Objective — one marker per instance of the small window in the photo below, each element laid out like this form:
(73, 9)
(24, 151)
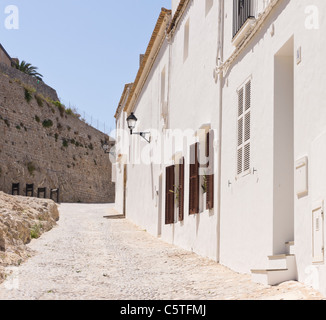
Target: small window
(163, 83)
(186, 41)
(194, 179)
(244, 129)
(209, 5)
(163, 94)
(242, 11)
(169, 195)
(210, 170)
(181, 197)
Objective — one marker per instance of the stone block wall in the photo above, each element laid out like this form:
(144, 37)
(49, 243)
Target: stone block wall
(40, 86)
(42, 144)
(4, 56)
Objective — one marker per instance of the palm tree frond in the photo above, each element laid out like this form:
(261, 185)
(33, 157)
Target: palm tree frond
(29, 69)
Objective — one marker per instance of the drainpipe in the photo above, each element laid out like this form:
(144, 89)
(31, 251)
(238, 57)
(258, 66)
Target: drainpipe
(219, 77)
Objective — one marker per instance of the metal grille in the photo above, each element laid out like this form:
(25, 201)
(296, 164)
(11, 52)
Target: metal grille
(242, 11)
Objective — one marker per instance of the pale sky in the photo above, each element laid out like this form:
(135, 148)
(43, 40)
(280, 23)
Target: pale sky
(86, 50)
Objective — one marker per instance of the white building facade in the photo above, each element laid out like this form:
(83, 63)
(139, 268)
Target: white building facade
(230, 95)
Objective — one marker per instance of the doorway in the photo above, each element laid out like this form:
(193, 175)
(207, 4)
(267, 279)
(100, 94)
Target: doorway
(283, 174)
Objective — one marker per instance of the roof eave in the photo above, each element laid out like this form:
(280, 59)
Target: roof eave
(153, 48)
(177, 16)
(123, 97)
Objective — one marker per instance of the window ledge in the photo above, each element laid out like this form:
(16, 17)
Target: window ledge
(243, 174)
(248, 25)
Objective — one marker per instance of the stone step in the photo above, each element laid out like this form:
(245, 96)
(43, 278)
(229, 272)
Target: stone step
(280, 261)
(282, 268)
(272, 277)
(289, 246)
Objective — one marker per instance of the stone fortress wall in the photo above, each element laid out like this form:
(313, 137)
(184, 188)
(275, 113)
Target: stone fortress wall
(44, 144)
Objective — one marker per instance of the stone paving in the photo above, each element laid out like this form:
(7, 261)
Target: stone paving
(89, 257)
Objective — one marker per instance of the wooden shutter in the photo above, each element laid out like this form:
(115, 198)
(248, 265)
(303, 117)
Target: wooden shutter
(181, 189)
(210, 171)
(240, 132)
(194, 180)
(169, 196)
(244, 129)
(247, 128)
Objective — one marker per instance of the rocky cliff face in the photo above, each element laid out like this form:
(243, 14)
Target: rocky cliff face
(22, 219)
(47, 145)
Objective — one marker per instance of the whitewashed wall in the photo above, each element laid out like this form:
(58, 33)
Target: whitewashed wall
(254, 220)
(248, 209)
(122, 150)
(310, 124)
(143, 173)
(194, 103)
(191, 100)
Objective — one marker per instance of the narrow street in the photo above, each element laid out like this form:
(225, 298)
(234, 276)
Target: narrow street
(91, 257)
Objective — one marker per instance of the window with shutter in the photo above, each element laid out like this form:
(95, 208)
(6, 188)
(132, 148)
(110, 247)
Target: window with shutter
(181, 189)
(169, 195)
(210, 170)
(194, 180)
(244, 129)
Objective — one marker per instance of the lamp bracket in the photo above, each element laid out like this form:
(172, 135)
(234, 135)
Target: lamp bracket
(143, 135)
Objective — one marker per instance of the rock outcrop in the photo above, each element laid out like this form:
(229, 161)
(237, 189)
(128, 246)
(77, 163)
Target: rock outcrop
(21, 220)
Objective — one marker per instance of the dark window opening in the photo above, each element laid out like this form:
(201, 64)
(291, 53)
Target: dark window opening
(242, 11)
